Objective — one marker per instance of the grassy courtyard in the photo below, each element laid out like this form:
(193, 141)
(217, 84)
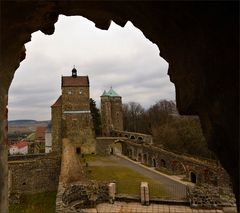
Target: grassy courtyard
(100, 168)
(35, 203)
(103, 168)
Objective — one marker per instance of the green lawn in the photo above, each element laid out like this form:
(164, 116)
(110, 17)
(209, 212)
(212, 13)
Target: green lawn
(128, 181)
(35, 203)
(92, 158)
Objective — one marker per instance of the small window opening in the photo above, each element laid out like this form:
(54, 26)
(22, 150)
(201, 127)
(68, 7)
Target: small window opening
(78, 150)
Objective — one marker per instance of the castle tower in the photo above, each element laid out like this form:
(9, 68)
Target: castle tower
(111, 112)
(74, 107)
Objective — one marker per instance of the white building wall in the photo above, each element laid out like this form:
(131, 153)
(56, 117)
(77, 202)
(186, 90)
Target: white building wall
(13, 150)
(48, 142)
(23, 150)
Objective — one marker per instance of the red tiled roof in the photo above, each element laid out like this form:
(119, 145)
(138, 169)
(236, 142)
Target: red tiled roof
(58, 102)
(20, 144)
(40, 132)
(69, 81)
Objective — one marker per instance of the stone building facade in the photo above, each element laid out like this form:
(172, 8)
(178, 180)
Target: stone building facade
(71, 116)
(111, 112)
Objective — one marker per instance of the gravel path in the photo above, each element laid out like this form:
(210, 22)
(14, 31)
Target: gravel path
(177, 189)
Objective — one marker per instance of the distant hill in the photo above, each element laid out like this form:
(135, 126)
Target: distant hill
(26, 122)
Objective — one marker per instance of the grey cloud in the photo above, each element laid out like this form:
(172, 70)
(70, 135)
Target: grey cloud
(120, 57)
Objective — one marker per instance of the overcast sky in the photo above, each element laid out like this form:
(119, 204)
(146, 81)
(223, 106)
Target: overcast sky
(119, 57)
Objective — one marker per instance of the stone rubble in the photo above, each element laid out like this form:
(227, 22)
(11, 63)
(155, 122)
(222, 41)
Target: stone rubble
(87, 193)
(208, 196)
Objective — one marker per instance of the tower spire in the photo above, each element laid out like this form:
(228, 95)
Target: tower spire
(74, 72)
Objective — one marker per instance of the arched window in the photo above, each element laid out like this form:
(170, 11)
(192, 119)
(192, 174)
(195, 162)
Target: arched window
(193, 177)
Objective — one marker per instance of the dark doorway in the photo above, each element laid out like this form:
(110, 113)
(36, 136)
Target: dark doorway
(111, 151)
(139, 157)
(154, 162)
(145, 160)
(78, 150)
(163, 163)
(193, 177)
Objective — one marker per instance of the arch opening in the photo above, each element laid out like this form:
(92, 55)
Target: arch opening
(139, 157)
(193, 177)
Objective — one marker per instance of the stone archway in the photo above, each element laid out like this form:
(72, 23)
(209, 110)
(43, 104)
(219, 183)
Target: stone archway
(202, 56)
(118, 147)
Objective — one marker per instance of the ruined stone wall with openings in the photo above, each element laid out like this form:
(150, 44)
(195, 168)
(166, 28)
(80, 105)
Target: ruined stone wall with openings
(206, 171)
(35, 175)
(103, 145)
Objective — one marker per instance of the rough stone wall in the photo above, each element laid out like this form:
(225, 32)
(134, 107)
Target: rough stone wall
(116, 113)
(75, 98)
(106, 118)
(111, 114)
(56, 116)
(71, 168)
(208, 196)
(78, 195)
(35, 175)
(90, 193)
(78, 127)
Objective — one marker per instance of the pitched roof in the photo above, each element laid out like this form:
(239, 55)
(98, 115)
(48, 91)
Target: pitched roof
(58, 102)
(69, 81)
(40, 131)
(20, 144)
(112, 93)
